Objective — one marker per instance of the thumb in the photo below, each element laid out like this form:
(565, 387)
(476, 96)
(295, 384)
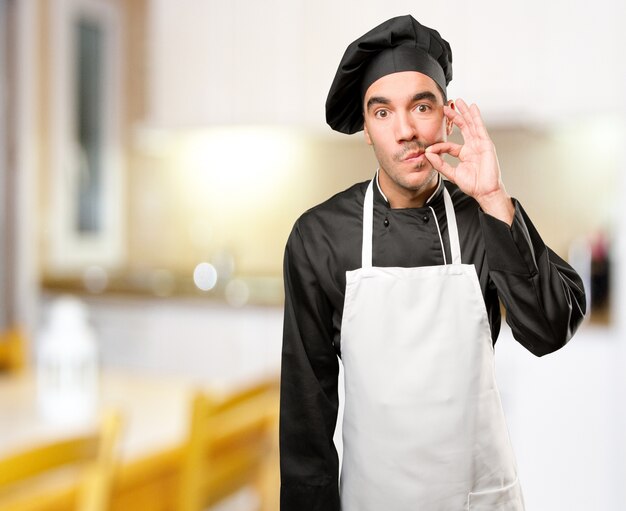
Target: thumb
(435, 160)
(440, 165)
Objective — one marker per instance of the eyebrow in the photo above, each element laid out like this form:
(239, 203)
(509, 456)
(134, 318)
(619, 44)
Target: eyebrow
(377, 100)
(380, 100)
(424, 95)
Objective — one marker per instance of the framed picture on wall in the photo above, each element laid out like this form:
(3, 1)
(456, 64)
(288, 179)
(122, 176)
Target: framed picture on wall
(85, 213)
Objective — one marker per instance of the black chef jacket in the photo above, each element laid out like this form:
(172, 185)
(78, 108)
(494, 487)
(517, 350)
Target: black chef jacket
(543, 297)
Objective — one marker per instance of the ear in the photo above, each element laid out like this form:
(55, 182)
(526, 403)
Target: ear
(449, 124)
(366, 133)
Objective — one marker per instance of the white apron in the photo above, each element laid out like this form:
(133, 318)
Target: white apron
(423, 427)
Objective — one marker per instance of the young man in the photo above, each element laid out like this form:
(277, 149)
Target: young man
(401, 278)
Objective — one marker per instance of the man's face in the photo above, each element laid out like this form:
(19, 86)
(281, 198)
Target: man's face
(403, 115)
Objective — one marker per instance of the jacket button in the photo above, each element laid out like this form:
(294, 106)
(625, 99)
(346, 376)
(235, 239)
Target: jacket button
(386, 223)
(425, 218)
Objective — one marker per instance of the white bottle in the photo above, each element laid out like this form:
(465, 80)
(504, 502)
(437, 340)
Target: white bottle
(67, 364)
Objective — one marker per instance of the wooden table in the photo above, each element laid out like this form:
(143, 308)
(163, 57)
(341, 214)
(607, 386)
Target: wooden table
(155, 413)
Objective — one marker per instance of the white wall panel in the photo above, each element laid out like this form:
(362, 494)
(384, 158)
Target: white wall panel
(272, 62)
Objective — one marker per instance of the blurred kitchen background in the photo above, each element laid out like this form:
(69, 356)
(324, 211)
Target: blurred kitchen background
(154, 155)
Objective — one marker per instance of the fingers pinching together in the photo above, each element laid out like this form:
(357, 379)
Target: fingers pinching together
(478, 171)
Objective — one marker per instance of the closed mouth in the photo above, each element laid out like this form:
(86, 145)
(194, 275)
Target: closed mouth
(413, 155)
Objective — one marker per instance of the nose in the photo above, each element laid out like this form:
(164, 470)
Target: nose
(405, 127)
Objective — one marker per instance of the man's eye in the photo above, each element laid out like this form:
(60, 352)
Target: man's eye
(423, 108)
(381, 114)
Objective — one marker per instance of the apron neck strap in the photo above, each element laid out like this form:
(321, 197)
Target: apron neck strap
(453, 231)
(368, 223)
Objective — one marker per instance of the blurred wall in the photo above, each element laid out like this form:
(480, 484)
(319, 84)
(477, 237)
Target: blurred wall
(222, 136)
(5, 298)
(241, 189)
(243, 61)
(220, 74)
(237, 190)
(222, 131)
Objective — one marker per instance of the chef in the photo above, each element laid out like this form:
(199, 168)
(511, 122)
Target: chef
(401, 278)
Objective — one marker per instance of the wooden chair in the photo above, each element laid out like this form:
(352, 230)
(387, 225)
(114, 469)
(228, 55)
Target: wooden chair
(232, 444)
(25, 477)
(12, 350)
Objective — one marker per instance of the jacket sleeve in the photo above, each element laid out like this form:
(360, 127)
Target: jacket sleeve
(308, 401)
(543, 296)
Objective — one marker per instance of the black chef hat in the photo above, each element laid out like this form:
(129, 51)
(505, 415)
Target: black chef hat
(398, 44)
